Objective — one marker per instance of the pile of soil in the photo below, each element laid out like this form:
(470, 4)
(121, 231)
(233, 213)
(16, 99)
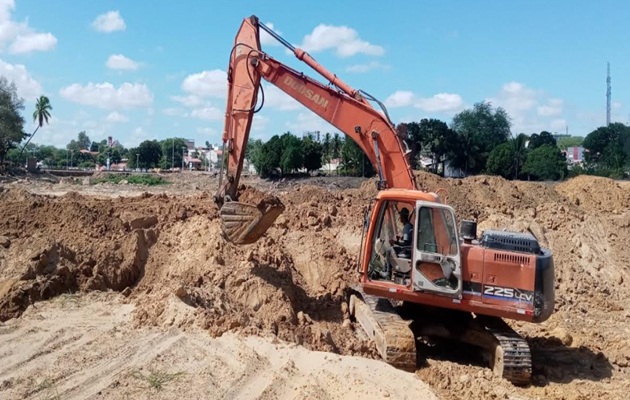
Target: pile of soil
(167, 255)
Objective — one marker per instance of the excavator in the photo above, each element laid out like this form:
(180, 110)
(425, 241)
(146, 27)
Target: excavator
(419, 277)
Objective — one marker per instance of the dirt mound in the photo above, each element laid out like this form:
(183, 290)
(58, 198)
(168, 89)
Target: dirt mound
(166, 253)
(593, 193)
(68, 243)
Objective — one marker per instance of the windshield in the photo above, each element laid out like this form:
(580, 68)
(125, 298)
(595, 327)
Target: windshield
(436, 231)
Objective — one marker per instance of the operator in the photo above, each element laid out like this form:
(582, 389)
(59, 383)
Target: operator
(407, 230)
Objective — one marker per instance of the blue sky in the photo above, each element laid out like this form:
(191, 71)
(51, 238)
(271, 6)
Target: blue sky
(155, 69)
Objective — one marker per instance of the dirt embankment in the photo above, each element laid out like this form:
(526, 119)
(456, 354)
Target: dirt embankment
(166, 254)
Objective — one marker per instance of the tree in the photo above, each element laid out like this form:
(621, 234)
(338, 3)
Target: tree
(608, 147)
(326, 148)
(40, 115)
(501, 160)
(311, 154)
(171, 152)
(411, 133)
(437, 138)
(354, 161)
(290, 153)
(479, 130)
(536, 140)
(572, 141)
(268, 157)
(83, 142)
(546, 163)
(150, 153)
(11, 120)
(335, 146)
(519, 148)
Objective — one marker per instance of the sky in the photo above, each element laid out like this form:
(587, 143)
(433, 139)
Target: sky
(138, 70)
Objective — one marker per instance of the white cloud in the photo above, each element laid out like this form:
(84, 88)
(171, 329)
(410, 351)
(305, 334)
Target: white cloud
(309, 122)
(558, 125)
(276, 98)
(111, 21)
(530, 110)
(206, 84)
(27, 87)
(19, 35)
(118, 61)
(175, 112)
(440, 102)
(33, 42)
(362, 68)
(551, 109)
(105, 95)
(260, 123)
(266, 39)
(209, 113)
(207, 131)
(345, 41)
(188, 101)
(117, 117)
(138, 135)
(400, 98)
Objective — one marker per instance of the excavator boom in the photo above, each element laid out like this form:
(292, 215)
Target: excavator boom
(342, 106)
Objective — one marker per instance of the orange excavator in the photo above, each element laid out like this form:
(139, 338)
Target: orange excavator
(419, 277)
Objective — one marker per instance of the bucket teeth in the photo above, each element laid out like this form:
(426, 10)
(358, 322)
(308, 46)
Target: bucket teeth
(244, 223)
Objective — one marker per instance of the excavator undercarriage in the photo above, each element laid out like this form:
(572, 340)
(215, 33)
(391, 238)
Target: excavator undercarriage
(397, 329)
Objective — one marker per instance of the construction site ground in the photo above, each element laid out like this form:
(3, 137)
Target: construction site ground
(120, 291)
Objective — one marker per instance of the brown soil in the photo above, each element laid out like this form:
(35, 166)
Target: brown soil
(155, 248)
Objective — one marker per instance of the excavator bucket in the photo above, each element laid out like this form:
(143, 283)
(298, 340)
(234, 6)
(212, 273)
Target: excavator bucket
(245, 223)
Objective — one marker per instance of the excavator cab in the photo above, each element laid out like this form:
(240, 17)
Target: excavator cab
(415, 244)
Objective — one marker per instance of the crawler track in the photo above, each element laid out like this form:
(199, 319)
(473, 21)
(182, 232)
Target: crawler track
(395, 337)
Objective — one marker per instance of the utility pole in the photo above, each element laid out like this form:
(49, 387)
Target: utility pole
(183, 148)
(137, 160)
(173, 156)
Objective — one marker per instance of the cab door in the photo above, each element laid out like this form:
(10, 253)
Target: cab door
(436, 253)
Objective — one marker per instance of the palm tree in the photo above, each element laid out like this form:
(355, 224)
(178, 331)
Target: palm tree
(41, 114)
(519, 145)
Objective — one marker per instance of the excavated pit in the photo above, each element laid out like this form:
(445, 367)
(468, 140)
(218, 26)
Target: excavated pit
(165, 253)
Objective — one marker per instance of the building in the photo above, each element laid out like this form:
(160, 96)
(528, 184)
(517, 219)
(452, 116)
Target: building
(575, 154)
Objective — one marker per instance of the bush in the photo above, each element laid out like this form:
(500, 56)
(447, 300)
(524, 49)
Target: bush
(150, 180)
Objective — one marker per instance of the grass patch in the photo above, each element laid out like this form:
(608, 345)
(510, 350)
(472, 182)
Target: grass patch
(144, 179)
(156, 380)
(47, 390)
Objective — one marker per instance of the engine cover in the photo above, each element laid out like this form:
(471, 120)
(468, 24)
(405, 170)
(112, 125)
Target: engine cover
(510, 241)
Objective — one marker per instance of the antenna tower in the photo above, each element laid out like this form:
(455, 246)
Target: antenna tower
(608, 96)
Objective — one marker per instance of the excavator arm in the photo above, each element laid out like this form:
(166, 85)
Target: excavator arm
(345, 108)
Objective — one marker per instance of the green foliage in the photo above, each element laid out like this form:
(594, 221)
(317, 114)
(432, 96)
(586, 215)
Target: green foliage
(171, 150)
(268, 157)
(312, 152)
(544, 138)
(11, 120)
(150, 180)
(566, 142)
(501, 160)
(150, 153)
(546, 163)
(291, 159)
(479, 130)
(412, 134)
(608, 147)
(437, 139)
(354, 162)
(40, 115)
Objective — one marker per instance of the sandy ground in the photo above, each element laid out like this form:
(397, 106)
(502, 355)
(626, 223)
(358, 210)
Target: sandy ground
(85, 347)
(121, 289)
